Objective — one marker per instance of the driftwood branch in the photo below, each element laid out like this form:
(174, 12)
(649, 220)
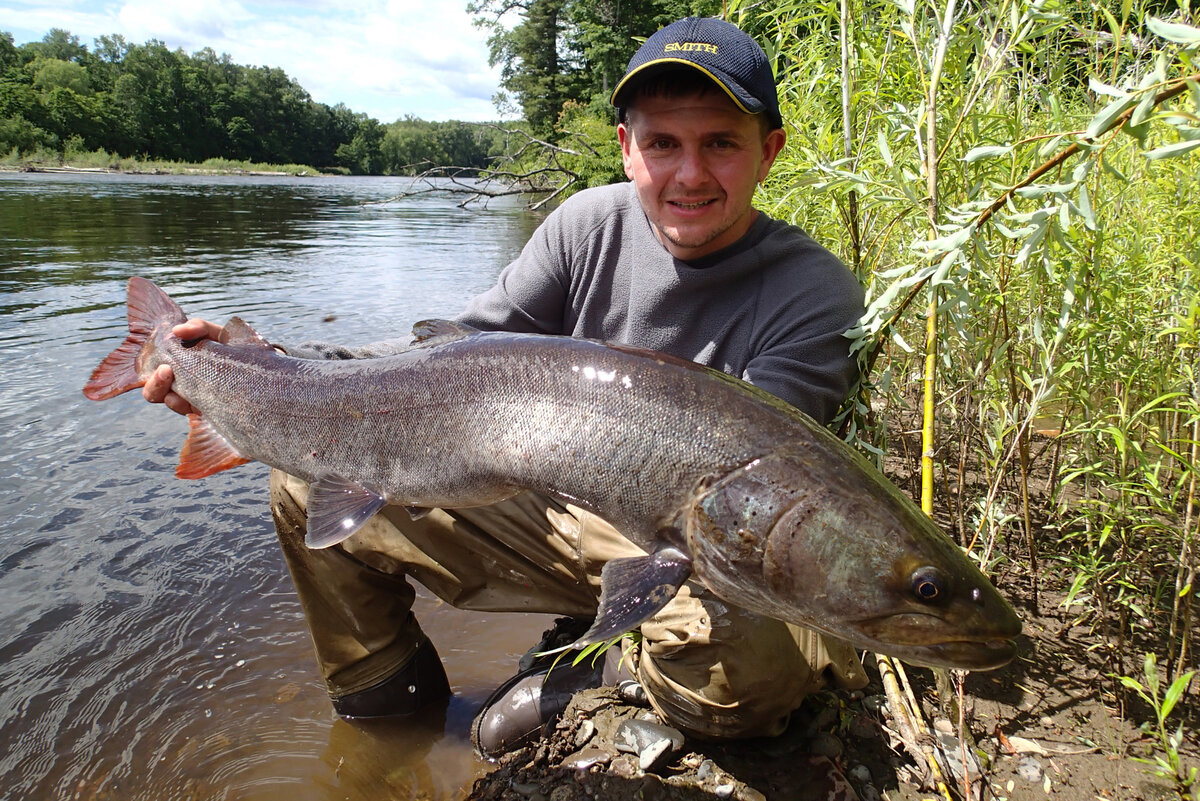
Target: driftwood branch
(542, 183)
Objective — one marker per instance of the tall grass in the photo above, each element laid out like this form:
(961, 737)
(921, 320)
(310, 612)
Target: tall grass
(1017, 183)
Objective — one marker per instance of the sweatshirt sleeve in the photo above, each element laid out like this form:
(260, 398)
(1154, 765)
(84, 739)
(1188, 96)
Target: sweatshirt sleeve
(531, 293)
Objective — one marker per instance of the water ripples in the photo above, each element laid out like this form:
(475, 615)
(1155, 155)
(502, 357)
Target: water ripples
(151, 646)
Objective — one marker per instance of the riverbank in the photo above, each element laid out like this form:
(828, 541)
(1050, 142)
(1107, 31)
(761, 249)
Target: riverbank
(1042, 726)
(103, 162)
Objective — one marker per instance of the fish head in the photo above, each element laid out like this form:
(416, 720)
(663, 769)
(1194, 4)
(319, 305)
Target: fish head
(834, 546)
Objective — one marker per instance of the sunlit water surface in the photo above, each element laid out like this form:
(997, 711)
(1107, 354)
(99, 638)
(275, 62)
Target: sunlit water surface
(151, 646)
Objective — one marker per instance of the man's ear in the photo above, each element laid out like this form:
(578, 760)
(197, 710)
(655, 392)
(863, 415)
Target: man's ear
(625, 137)
(772, 146)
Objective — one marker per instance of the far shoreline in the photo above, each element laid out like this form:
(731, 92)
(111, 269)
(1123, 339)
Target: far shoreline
(101, 163)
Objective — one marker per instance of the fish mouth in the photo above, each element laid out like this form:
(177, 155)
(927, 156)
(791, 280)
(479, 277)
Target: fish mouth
(932, 642)
(960, 654)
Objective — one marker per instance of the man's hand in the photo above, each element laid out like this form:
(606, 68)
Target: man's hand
(158, 386)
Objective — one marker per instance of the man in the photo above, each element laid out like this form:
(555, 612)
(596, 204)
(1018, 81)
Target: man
(677, 260)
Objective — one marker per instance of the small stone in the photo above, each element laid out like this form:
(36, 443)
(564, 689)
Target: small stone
(526, 789)
(724, 790)
(632, 692)
(868, 792)
(586, 730)
(825, 744)
(1046, 721)
(944, 726)
(864, 727)
(860, 773)
(624, 767)
(826, 718)
(635, 736)
(705, 770)
(587, 758)
(748, 793)
(1030, 769)
(874, 703)
(652, 754)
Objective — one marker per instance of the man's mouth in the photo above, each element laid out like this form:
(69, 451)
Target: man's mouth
(691, 206)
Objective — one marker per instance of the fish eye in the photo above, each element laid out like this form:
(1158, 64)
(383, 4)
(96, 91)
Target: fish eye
(928, 584)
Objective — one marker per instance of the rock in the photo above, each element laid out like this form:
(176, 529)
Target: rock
(874, 703)
(624, 767)
(586, 730)
(825, 744)
(527, 789)
(635, 736)
(864, 727)
(861, 774)
(653, 754)
(952, 748)
(1030, 769)
(587, 758)
(632, 692)
(724, 790)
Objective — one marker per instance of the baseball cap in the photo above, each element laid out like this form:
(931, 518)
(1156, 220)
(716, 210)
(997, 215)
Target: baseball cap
(717, 48)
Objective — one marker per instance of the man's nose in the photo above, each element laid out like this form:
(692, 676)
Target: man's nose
(691, 169)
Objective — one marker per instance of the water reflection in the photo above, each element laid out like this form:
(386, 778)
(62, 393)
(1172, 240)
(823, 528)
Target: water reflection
(150, 642)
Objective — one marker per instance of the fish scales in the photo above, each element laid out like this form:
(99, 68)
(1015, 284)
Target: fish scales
(717, 480)
(487, 415)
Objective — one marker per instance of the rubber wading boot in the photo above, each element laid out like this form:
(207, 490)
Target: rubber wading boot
(419, 682)
(529, 703)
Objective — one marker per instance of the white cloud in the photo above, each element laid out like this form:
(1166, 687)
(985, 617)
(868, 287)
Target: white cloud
(387, 58)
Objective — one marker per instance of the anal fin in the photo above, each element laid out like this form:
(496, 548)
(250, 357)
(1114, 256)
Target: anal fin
(633, 589)
(206, 451)
(337, 508)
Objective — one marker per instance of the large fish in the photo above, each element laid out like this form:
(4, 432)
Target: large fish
(711, 476)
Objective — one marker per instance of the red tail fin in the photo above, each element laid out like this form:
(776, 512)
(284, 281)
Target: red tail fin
(148, 306)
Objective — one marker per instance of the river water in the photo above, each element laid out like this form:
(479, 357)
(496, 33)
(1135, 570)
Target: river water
(151, 646)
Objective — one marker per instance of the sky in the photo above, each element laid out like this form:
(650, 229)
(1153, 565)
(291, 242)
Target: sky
(387, 58)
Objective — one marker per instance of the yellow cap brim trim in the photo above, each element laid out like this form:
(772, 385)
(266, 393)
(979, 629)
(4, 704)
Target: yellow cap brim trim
(686, 63)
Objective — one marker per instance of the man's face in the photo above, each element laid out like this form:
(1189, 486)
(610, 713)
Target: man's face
(695, 161)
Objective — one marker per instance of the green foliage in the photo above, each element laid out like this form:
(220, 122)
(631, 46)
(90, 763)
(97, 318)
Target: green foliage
(151, 102)
(413, 146)
(1170, 764)
(1030, 166)
(564, 51)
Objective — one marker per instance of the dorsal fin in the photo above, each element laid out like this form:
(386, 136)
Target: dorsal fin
(433, 332)
(238, 332)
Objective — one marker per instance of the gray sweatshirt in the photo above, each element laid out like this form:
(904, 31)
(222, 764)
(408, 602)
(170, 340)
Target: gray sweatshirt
(770, 308)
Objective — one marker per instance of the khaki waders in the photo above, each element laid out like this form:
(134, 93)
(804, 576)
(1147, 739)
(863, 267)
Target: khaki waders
(709, 669)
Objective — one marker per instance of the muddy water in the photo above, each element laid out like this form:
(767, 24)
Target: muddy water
(151, 646)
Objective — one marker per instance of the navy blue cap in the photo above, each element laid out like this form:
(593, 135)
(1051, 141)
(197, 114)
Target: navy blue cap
(720, 50)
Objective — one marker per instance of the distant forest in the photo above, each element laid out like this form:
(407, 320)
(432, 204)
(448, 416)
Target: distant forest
(149, 101)
(559, 62)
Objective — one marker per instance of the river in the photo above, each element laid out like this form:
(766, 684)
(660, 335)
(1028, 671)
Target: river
(151, 645)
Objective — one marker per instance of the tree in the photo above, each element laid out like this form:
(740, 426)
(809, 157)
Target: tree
(571, 50)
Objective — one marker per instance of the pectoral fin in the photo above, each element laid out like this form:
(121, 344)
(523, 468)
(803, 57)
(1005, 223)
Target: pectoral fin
(337, 508)
(634, 589)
